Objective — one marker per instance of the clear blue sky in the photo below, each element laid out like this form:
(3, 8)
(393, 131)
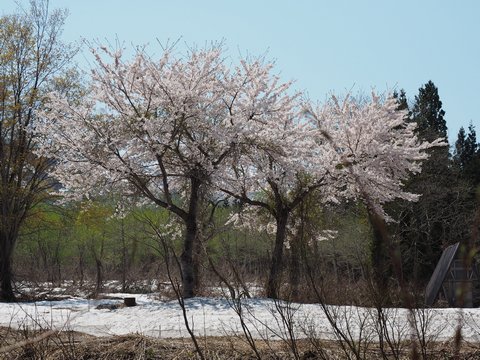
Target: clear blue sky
(324, 45)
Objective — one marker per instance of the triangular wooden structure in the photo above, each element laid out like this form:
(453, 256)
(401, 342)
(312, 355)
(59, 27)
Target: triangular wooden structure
(458, 280)
(438, 277)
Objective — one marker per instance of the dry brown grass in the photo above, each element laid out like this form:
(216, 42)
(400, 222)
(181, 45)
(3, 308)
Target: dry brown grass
(48, 345)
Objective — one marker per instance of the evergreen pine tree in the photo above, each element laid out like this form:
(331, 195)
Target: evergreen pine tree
(427, 112)
(471, 141)
(401, 99)
(471, 155)
(459, 152)
(467, 155)
(438, 218)
(467, 160)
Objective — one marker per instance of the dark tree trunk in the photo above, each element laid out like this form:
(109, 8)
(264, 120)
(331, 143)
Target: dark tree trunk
(297, 248)
(274, 278)
(380, 253)
(99, 256)
(188, 259)
(295, 268)
(124, 255)
(81, 270)
(197, 263)
(6, 275)
(99, 286)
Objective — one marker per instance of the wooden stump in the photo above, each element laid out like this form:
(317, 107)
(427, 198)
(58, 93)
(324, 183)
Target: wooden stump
(129, 301)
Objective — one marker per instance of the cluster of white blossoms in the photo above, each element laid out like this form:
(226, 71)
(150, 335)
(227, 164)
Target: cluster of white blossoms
(376, 148)
(156, 125)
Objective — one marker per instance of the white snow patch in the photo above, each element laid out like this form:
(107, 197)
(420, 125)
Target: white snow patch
(215, 317)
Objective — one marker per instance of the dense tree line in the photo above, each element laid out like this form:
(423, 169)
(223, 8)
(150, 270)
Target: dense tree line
(445, 213)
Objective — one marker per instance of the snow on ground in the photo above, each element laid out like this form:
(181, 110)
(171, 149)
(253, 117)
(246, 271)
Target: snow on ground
(215, 317)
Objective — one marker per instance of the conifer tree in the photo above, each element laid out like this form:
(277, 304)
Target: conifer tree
(427, 112)
(471, 157)
(401, 98)
(438, 218)
(459, 152)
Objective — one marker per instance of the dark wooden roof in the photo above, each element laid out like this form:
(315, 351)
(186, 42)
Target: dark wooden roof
(438, 276)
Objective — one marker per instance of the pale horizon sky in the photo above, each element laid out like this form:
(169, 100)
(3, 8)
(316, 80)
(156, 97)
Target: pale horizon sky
(325, 46)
